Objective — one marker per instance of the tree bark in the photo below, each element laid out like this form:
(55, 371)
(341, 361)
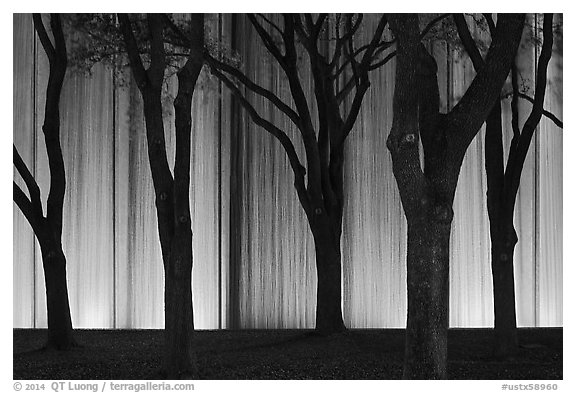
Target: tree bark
(329, 273)
(505, 333)
(60, 335)
(179, 360)
(503, 239)
(427, 196)
(427, 323)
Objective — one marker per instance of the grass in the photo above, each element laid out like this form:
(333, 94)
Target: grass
(282, 354)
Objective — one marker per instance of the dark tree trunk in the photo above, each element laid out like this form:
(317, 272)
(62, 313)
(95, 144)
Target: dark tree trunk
(329, 273)
(59, 321)
(172, 193)
(505, 333)
(503, 239)
(503, 184)
(179, 361)
(427, 277)
(427, 196)
(60, 336)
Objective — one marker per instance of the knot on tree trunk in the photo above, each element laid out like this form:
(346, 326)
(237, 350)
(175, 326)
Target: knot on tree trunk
(402, 141)
(443, 214)
(505, 244)
(424, 201)
(408, 140)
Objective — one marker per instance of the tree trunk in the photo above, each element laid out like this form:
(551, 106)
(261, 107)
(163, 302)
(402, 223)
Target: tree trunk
(502, 236)
(59, 321)
(427, 324)
(505, 333)
(329, 271)
(179, 361)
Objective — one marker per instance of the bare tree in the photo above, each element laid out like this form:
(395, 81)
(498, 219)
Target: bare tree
(504, 180)
(171, 192)
(427, 194)
(48, 228)
(340, 73)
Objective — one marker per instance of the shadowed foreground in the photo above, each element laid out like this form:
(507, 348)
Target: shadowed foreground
(282, 354)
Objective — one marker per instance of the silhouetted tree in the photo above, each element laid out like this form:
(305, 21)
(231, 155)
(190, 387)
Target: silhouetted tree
(504, 180)
(427, 194)
(340, 73)
(171, 192)
(48, 228)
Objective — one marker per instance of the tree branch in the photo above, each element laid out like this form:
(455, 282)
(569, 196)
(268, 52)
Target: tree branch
(136, 65)
(382, 46)
(341, 41)
(157, 53)
(281, 105)
(354, 110)
(51, 130)
(346, 89)
(297, 168)
(26, 207)
(379, 64)
(354, 65)
(317, 26)
(431, 24)
(301, 102)
(176, 30)
(559, 123)
(468, 41)
(490, 22)
(272, 24)
(466, 118)
(368, 55)
(60, 42)
(518, 156)
(29, 180)
(297, 26)
(267, 40)
(391, 55)
(187, 78)
(43, 35)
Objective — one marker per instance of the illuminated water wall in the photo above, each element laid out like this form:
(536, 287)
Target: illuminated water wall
(253, 252)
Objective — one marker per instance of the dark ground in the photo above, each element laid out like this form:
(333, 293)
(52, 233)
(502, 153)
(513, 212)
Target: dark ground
(282, 354)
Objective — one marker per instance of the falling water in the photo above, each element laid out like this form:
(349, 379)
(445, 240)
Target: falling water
(253, 251)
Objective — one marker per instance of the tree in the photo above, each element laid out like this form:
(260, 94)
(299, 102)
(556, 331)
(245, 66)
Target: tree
(504, 180)
(427, 194)
(340, 73)
(48, 228)
(172, 192)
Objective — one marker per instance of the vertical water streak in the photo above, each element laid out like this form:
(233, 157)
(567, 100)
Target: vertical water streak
(23, 122)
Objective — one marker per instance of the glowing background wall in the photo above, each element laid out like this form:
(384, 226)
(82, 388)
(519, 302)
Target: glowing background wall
(253, 253)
